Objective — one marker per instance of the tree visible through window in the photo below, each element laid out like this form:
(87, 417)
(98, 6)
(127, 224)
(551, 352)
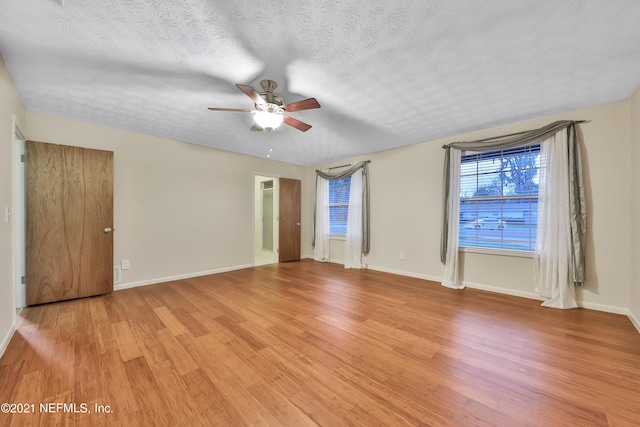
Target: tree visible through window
(339, 205)
(499, 199)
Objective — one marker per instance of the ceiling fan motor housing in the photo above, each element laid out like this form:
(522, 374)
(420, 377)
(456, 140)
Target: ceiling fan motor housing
(270, 98)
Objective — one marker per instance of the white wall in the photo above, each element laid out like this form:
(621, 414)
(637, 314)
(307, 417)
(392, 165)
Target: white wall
(12, 113)
(180, 209)
(406, 211)
(634, 294)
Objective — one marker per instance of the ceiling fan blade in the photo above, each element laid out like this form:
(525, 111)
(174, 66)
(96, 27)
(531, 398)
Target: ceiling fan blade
(256, 128)
(305, 104)
(251, 93)
(230, 109)
(296, 124)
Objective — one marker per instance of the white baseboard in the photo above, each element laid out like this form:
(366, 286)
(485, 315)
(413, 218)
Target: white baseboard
(605, 308)
(5, 341)
(517, 293)
(405, 273)
(634, 320)
(513, 292)
(505, 291)
(178, 277)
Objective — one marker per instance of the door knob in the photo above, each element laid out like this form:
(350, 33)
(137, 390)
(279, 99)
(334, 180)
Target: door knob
(298, 224)
(109, 229)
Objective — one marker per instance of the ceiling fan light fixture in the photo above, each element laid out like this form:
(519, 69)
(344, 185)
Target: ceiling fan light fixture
(267, 119)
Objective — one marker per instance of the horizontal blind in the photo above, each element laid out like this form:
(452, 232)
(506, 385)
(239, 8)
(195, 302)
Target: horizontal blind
(499, 199)
(339, 205)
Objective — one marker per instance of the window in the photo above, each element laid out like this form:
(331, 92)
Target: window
(499, 199)
(339, 205)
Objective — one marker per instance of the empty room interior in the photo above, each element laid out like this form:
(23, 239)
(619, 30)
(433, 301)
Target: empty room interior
(320, 213)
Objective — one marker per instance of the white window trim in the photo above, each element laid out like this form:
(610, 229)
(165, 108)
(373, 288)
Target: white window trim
(500, 252)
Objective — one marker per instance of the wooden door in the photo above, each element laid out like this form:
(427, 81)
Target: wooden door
(289, 220)
(69, 219)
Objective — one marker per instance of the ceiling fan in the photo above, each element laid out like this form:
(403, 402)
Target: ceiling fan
(269, 110)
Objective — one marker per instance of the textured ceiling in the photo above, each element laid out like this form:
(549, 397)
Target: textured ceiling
(387, 73)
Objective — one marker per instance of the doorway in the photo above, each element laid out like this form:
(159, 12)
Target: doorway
(265, 220)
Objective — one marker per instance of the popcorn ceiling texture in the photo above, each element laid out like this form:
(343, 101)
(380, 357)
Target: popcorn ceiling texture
(387, 73)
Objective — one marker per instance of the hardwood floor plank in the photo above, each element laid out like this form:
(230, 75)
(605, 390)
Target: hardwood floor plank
(127, 343)
(177, 397)
(149, 343)
(196, 291)
(102, 326)
(280, 407)
(240, 332)
(194, 327)
(569, 413)
(32, 388)
(212, 406)
(209, 323)
(87, 366)
(317, 409)
(527, 414)
(170, 320)
(153, 406)
(180, 359)
(308, 343)
(11, 375)
(120, 395)
(252, 412)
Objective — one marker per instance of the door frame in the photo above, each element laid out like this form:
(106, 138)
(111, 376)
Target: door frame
(257, 225)
(19, 220)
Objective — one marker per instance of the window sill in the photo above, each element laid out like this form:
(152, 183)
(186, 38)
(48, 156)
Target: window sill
(337, 237)
(501, 252)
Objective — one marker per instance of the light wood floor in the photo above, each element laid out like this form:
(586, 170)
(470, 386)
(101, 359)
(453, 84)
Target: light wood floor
(306, 343)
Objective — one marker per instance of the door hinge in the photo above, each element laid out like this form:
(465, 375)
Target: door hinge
(23, 158)
(23, 280)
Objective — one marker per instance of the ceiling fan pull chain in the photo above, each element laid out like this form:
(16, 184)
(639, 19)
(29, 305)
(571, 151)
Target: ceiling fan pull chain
(269, 149)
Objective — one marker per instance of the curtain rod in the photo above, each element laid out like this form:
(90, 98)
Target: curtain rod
(341, 166)
(344, 166)
(520, 133)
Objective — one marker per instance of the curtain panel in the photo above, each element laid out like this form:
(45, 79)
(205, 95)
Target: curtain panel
(451, 278)
(552, 256)
(321, 224)
(325, 174)
(353, 240)
(577, 206)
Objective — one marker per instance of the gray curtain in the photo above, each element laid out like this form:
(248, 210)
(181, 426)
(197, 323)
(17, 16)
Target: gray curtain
(578, 216)
(365, 198)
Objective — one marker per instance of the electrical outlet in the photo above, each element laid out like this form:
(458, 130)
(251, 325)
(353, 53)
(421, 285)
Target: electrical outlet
(117, 274)
(402, 255)
(125, 264)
